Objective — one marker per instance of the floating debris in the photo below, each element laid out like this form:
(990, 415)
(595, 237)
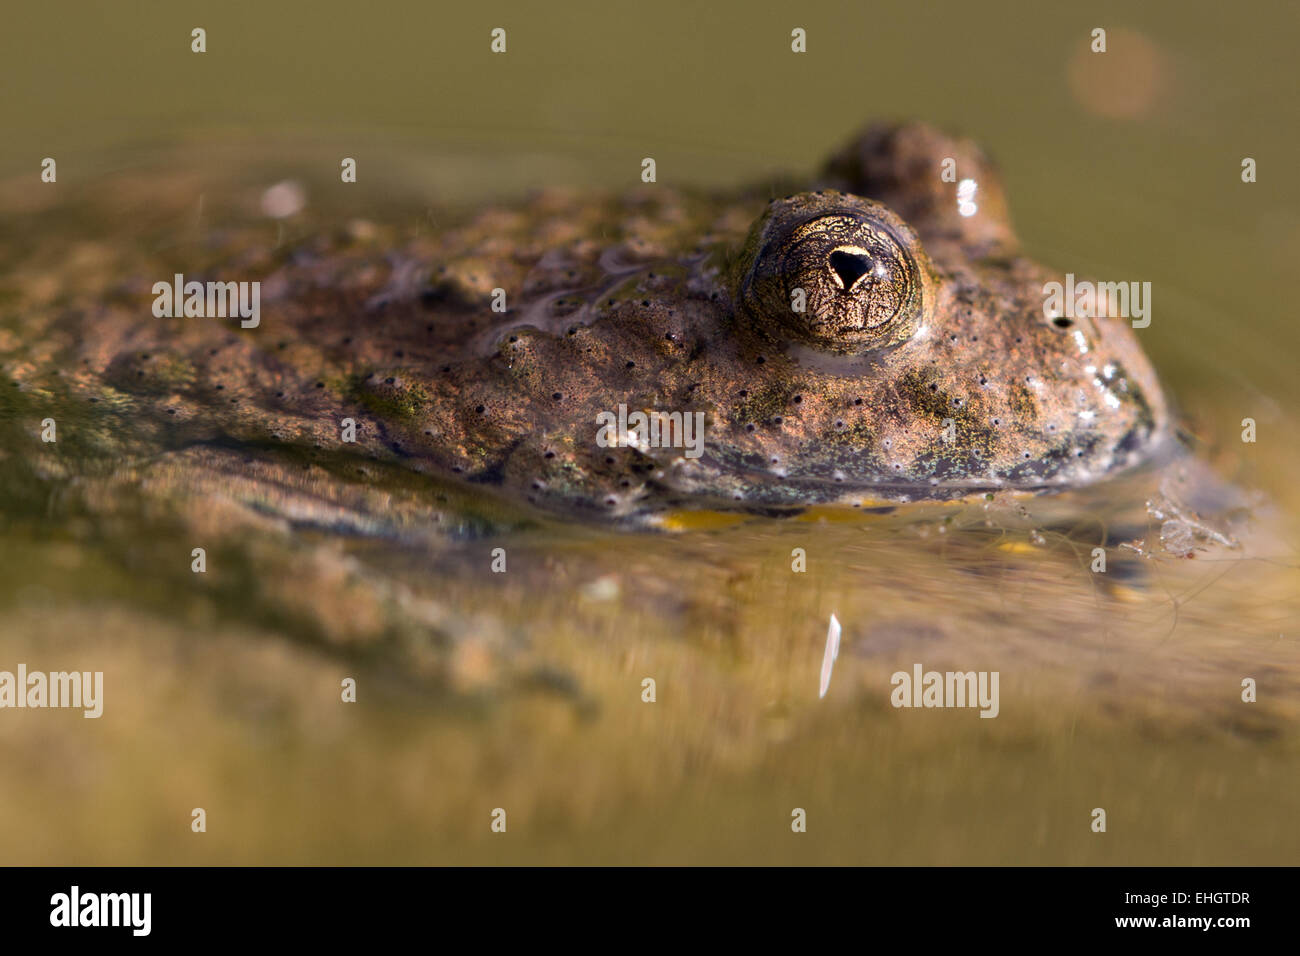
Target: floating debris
(1182, 531)
(832, 652)
(604, 588)
(284, 200)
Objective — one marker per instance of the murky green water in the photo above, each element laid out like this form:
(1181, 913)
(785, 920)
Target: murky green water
(524, 690)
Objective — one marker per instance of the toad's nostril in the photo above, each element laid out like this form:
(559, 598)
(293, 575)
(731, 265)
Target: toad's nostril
(849, 266)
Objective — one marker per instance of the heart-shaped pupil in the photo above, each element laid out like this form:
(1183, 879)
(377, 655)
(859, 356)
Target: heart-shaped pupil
(849, 266)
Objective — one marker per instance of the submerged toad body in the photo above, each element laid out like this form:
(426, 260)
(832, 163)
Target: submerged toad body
(864, 339)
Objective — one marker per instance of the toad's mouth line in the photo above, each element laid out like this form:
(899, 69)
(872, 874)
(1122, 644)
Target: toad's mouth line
(759, 485)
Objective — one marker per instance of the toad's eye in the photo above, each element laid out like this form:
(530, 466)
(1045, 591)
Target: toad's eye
(835, 271)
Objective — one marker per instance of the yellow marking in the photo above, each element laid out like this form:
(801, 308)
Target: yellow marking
(1019, 547)
(841, 514)
(1126, 594)
(697, 520)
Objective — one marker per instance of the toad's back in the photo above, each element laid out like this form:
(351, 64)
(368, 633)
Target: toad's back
(875, 336)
